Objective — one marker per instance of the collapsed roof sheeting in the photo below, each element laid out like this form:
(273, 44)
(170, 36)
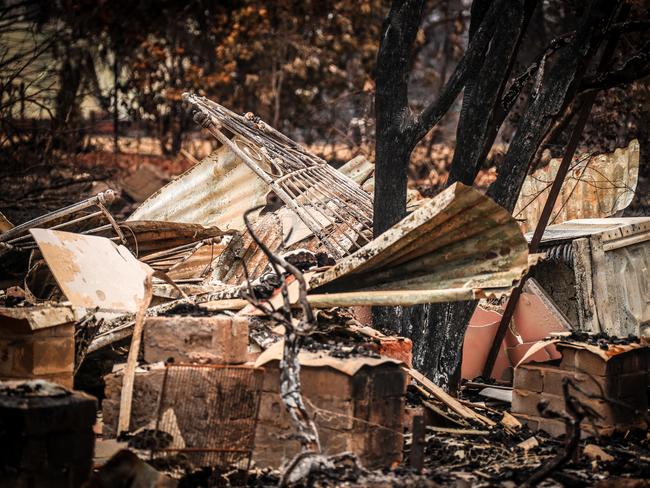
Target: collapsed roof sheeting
(148, 237)
(595, 187)
(215, 192)
(459, 246)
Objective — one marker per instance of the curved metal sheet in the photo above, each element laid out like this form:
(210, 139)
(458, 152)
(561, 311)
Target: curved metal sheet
(459, 246)
(215, 192)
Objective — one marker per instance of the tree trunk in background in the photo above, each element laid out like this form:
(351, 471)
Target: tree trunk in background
(116, 123)
(66, 108)
(437, 330)
(496, 32)
(394, 140)
(555, 94)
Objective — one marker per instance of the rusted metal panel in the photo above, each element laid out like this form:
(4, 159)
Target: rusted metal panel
(597, 186)
(216, 192)
(93, 271)
(458, 246)
(145, 238)
(358, 169)
(199, 263)
(217, 427)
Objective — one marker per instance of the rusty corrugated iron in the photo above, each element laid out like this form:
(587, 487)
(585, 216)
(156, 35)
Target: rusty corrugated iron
(215, 192)
(147, 237)
(595, 187)
(458, 246)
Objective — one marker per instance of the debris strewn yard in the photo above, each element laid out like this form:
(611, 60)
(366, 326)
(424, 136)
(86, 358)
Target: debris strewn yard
(261, 316)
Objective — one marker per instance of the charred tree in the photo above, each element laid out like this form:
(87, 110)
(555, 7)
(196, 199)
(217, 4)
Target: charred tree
(497, 31)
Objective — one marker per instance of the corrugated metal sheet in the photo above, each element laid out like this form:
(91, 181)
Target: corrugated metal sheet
(148, 237)
(598, 274)
(595, 187)
(215, 192)
(199, 263)
(458, 246)
(611, 228)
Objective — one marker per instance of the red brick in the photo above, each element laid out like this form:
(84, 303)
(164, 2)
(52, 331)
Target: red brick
(557, 428)
(529, 377)
(230, 339)
(43, 353)
(611, 386)
(146, 389)
(526, 402)
(325, 382)
(55, 355)
(399, 348)
(584, 361)
(272, 410)
(351, 410)
(409, 413)
(386, 411)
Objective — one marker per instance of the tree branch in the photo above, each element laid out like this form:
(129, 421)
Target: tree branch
(482, 116)
(563, 79)
(393, 60)
(637, 67)
(477, 48)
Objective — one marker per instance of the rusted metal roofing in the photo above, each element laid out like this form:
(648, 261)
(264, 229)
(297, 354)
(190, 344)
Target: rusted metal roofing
(215, 192)
(94, 272)
(595, 187)
(609, 229)
(458, 246)
(146, 238)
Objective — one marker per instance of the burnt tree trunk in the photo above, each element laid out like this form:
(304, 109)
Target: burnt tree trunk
(496, 33)
(393, 117)
(437, 330)
(555, 94)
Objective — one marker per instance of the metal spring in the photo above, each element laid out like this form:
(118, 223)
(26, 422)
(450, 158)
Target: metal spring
(560, 253)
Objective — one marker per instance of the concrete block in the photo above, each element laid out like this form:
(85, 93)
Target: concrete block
(221, 339)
